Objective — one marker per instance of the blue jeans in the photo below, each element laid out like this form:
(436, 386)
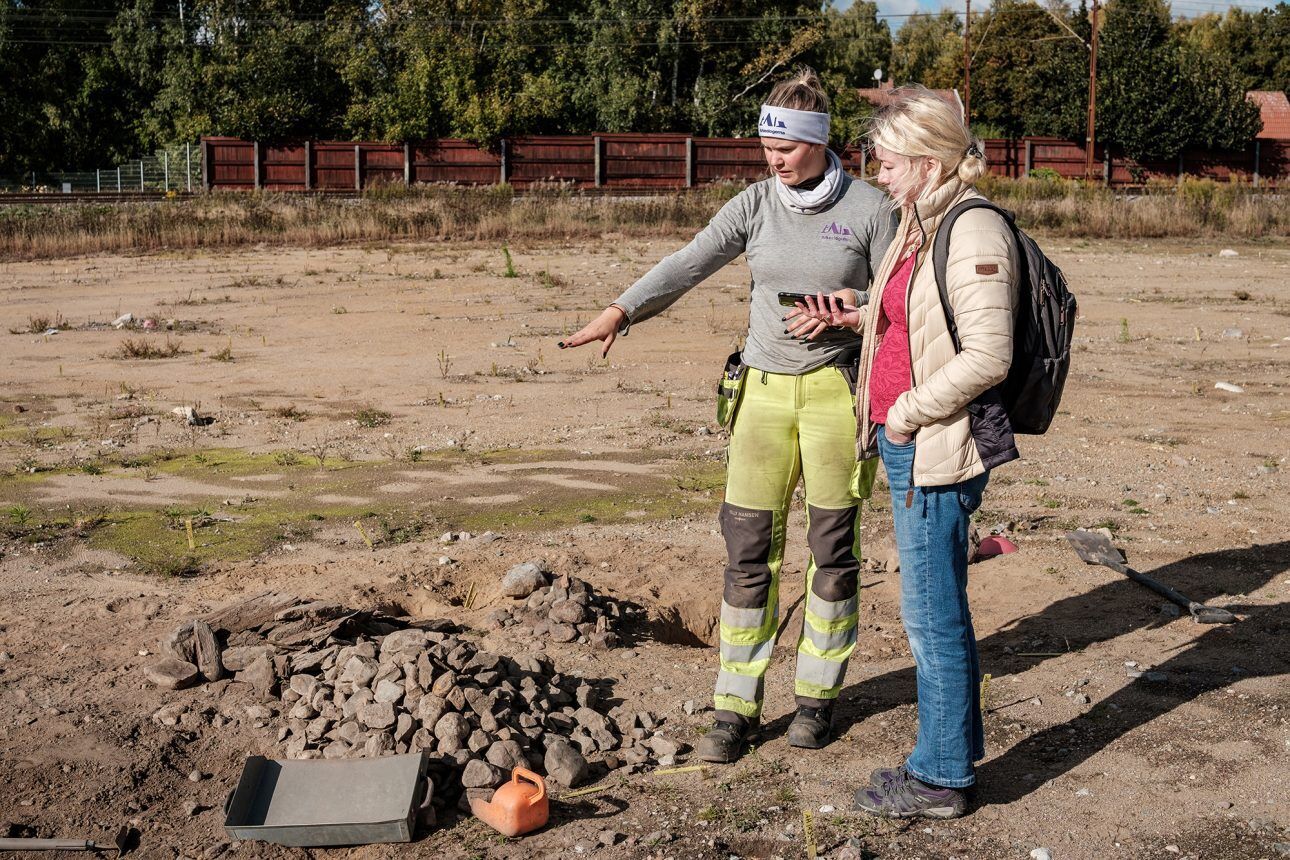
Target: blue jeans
(932, 537)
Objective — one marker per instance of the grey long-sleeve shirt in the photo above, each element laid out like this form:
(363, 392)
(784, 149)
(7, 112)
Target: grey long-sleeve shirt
(834, 249)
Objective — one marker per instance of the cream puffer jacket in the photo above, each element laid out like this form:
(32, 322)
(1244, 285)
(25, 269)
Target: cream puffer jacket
(960, 428)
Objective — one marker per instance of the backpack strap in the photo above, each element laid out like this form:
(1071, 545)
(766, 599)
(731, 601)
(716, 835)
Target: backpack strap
(941, 254)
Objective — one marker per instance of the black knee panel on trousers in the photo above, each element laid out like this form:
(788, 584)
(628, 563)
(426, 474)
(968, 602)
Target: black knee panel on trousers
(831, 536)
(748, 535)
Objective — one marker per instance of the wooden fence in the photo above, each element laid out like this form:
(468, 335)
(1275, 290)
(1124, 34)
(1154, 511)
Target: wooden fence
(641, 162)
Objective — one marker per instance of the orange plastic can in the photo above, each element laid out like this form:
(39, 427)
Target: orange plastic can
(518, 807)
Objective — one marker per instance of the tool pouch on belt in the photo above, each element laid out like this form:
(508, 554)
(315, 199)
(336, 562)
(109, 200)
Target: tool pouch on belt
(729, 389)
(848, 364)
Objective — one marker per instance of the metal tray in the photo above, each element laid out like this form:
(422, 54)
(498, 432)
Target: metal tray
(319, 802)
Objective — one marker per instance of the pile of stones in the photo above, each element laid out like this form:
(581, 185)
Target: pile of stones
(558, 608)
(342, 684)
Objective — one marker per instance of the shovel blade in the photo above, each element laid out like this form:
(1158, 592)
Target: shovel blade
(1211, 614)
(1096, 548)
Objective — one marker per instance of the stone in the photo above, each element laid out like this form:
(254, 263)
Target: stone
(524, 579)
(422, 741)
(377, 715)
(208, 651)
(261, 675)
(608, 838)
(568, 612)
(444, 684)
(662, 746)
(170, 715)
(497, 619)
(336, 749)
(304, 685)
(351, 733)
(237, 659)
(403, 728)
(352, 705)
(478, 741)
(171, 674)
(388, 692)
(430, 709)
(561, 633)
(507, 755)
(451, 731)
(457, 699)
(1041, 854)
(603, 640)
(378, 744)
(403, 640)
(1228, 253)
(481, 774)
(180, 645)
(359, 670)
(316, 729)
(564, 764)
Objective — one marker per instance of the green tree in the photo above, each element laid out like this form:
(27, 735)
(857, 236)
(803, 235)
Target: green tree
(928, 50)
(1156, 97)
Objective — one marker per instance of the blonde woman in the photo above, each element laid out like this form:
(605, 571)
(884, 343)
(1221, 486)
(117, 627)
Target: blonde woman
(809, 227)
(930, 413)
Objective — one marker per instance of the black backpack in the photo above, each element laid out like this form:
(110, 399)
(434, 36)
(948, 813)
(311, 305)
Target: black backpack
(1041, 347)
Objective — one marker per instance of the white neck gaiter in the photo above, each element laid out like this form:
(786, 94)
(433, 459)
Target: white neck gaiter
(810, 201)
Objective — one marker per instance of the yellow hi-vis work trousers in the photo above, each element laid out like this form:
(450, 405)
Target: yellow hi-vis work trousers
(789, 427)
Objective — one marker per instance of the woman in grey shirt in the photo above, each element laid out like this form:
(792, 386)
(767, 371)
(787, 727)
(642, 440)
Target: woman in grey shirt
(808, 228)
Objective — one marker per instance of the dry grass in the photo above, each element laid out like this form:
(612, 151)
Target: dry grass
(144, 347)
(1196, 208)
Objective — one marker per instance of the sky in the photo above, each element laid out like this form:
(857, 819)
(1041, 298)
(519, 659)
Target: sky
(1181, 7)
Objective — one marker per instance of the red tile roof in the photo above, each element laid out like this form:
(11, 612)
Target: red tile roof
(1275, 110)
(881, 96)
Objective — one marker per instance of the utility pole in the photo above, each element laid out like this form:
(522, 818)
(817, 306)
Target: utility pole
(1092, 98)
(967, 64)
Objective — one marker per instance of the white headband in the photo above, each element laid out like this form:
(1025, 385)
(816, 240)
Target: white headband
(788, 124)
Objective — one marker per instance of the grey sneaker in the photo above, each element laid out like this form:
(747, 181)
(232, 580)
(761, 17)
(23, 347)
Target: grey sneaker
(726, 741)
(883, 775)
(812, 728)
(903, 796)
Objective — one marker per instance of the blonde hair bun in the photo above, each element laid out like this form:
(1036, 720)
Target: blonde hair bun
(802, 91)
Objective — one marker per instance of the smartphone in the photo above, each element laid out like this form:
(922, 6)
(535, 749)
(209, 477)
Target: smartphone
(790, 299)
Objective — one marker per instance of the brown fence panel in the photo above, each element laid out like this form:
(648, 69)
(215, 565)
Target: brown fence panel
(1064, 157)
(454, 161)
(643, 160)
(282, 167)
(720, 159)
(333, 166)
(381, 163)
(232, 162)
(568, 159)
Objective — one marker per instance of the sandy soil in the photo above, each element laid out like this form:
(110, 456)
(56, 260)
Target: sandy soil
(611, 471)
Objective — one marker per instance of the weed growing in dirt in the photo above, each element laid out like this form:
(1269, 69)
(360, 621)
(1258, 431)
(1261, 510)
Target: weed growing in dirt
(509, 271)
(1124, 330)
(286, 458)
(147, 348)
(370, 416)
(40, 325)
(445, 365)
(289, 413)
(19, 514)
(549, 280)
(225, 354)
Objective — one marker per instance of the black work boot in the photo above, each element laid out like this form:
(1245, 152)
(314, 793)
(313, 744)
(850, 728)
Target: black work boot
(726, 741)
(812, 727)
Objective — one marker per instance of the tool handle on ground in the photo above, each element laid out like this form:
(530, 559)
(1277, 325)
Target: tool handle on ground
(46, 845)
(1158, 587)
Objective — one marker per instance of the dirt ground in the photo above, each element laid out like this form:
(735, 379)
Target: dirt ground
(429, 388)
